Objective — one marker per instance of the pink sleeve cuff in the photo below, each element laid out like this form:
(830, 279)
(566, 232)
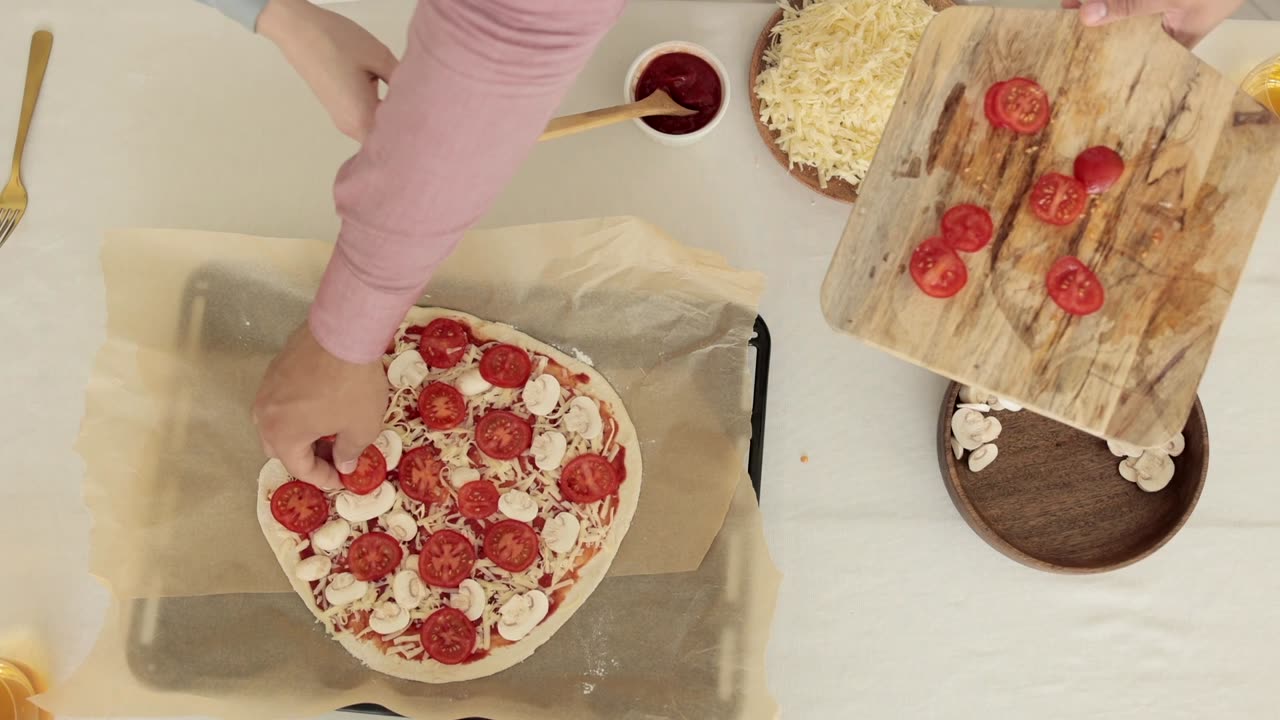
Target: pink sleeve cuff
(353, 317)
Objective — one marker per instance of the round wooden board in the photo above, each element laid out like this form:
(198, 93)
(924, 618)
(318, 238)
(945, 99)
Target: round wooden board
(836, 189)
(1054, 500)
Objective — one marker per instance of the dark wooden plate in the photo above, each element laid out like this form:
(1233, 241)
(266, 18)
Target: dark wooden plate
(836, 188)
(1054, 500)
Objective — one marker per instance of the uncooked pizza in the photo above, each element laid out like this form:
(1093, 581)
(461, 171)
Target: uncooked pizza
(487, 511)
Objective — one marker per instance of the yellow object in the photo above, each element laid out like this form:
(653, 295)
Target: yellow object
(13, 198)
(1263, 83)
(17, 683)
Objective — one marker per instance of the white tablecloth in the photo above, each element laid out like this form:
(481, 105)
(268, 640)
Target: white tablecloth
(158, 113)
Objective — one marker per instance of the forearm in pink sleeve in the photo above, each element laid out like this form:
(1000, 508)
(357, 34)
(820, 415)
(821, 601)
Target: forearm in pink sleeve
(478, 82)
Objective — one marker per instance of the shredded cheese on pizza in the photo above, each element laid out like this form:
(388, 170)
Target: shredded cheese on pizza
(551, 572)
(832, 76)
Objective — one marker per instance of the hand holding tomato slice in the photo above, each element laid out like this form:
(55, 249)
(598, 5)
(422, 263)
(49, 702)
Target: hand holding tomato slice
(370, 472)
(937, 269)
(448, 636)
(1074, 287)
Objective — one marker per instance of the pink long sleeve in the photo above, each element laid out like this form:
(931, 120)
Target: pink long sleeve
(478, 82)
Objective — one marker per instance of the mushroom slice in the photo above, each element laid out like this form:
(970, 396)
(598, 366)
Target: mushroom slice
(971, 428)
(1006, 404)
(982, 457)
(1155, 470)
(1127, 471)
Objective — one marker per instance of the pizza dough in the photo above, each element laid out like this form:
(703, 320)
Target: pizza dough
(576, 541)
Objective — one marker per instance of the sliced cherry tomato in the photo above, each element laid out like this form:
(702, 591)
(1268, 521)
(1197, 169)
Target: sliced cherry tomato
(506, 366)
(371, 470)
(448, 636)
(511, 545)
(441, 406)
(446, 559)
(1074, 286)
(937, 269)
(478, 499)
(989, 105)
(1022, 105)
(1098, 168)
(1058, 199)
(374, 555)
(420, 470)
(443, 342)
(299, 506)
(588, 478)
(967, 228)
(503, 435)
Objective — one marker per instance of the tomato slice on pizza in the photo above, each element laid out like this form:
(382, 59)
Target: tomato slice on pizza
(588, 478)
(420, 475)
(446, 559)
(448, 636)
(511, 544)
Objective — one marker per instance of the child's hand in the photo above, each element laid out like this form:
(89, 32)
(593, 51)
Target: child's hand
(1188, 21)
(340, 61)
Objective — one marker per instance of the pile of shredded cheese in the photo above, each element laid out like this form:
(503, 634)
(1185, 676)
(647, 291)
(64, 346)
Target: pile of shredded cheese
(832, 76)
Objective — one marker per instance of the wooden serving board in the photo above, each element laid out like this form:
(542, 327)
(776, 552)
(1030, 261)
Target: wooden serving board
(1168, 241)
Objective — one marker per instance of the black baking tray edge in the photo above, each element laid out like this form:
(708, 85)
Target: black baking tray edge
(762, 342)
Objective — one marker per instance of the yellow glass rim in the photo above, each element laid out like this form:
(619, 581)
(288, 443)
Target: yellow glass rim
(15, 688)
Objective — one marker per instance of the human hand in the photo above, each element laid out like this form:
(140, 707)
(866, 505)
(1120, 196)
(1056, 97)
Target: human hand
(308, 394)
(1188, 21)
(339, 60)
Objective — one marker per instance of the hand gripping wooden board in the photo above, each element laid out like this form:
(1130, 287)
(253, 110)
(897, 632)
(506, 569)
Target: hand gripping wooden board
(1168, 241)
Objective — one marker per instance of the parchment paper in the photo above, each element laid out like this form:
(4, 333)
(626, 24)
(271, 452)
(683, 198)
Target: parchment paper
(172, 461)
(193, 318)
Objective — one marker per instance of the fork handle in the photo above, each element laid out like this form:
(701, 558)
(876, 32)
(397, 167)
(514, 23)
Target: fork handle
(41, 46)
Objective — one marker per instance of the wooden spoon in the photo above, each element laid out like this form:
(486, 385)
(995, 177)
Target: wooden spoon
(658, 103)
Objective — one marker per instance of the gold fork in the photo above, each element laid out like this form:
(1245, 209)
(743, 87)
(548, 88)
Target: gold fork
(13, 200)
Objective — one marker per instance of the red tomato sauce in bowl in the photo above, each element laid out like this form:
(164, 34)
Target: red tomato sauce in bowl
(690, 81)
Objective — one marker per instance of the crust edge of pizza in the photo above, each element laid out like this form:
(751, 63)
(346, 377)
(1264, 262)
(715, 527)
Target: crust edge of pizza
(590, 576)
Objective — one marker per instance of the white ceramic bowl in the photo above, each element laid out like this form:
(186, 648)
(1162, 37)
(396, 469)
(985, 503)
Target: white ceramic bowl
(642, 61)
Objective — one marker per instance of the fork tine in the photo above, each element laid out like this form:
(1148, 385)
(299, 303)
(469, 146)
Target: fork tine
(8, 221)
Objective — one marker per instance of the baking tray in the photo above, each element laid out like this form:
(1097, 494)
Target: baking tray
(222, 313)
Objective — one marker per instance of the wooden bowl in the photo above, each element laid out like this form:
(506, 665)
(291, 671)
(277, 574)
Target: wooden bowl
(1053, 498)
(836, 188)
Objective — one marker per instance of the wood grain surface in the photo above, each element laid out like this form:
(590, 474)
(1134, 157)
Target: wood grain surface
(1168, 241)
(837, 188)
(1053, 498)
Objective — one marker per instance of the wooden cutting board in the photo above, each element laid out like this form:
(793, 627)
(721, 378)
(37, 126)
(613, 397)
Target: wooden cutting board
(1168, 241)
